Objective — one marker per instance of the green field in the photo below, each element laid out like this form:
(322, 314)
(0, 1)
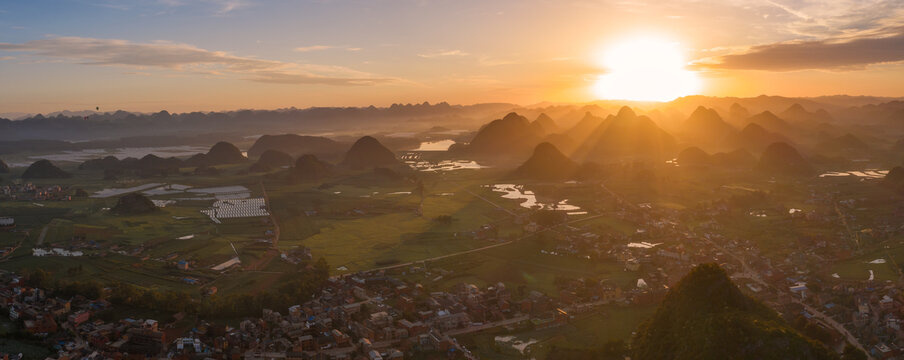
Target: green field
(586, 331)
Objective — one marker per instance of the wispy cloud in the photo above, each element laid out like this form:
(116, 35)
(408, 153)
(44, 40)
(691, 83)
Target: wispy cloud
(789, 10)
(314, 48)
(186, 58)
(227, 6)
(324, 47)
(830, 54)
(443, 53)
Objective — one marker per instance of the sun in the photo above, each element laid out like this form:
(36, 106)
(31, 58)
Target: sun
(645, 69)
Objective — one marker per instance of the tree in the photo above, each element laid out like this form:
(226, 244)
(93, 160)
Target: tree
(38, 278)
(444, 219)
(851, 352)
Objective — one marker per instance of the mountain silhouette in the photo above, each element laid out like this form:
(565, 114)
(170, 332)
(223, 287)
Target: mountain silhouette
(845, 144)
(783, 159)
(309, 169)
(706, 316)
(44, 169)
(547, 163)
(133, 204)
(582, 130)
(737, 113)
(739, 158)
(693, 156)
(705, 127)
(294, 145)
(512, 135)
(798, 114)
(628, 135)
(544, 124)
(753, 137)
(221, 153)
(367, 152)
(271, 159)
(771, 122)
(148, 165)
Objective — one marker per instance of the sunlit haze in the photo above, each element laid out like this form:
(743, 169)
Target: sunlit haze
(452, 179)
(645, 69)
(181, 56)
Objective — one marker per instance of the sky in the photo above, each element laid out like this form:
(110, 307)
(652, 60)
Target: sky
(208, 55)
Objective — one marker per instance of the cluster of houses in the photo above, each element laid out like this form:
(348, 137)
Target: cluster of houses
(32, 192)
(362, 316)
(69, 326)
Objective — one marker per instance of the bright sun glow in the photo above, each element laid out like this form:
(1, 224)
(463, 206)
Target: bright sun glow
(645, 69)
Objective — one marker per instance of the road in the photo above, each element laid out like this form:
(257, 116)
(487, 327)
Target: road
(834, 324)
(470, 329)
(517, 319)
(825, 319)
(753, 275)
(16, 247)
(42, 235)
(273, 252)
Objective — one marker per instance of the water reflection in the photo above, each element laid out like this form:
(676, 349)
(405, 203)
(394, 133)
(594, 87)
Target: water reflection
(512, 191)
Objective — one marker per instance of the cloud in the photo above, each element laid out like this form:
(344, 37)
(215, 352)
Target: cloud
(443, 53)
(324, 47)
(289, 78)
(187, 58)
(789, 10)
(314, 48)
(227, 6)
(829, 54)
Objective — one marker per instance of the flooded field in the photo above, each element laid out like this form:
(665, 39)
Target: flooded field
(445, 165)
(867, 174)
(516, 192)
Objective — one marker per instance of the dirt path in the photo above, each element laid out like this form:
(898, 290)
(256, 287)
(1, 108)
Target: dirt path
(42, 235)
(271, 253)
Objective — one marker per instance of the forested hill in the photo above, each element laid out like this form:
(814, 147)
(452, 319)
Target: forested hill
(705, 316)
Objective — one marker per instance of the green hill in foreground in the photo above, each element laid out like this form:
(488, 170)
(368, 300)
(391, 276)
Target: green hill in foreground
(705, 316)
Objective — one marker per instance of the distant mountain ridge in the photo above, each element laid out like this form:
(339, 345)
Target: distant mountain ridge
(72, 125)
(125, 124)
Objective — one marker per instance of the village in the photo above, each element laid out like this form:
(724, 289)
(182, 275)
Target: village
(397, 312)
